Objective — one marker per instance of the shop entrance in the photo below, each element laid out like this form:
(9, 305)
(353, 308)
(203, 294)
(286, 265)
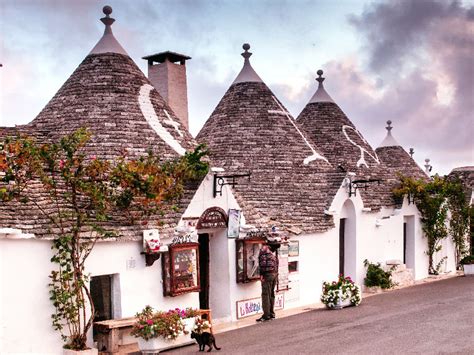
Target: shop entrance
(204, 270)
(347, 241)
(342, 223)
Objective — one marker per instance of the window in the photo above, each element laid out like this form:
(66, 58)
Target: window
(293, 266)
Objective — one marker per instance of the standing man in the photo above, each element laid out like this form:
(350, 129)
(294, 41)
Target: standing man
(268, 267)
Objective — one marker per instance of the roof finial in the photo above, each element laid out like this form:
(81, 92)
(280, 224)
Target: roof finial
(108, 43)
(247, 74)
(428, 166)
(412, 151)
(320, 79)
(320, 95)
(389, 141)
(246, 54)
(107, 20)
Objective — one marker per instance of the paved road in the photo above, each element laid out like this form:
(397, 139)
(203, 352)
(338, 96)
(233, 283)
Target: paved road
(432, 318)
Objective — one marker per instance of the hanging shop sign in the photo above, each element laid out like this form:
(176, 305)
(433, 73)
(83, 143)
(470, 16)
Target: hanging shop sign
(187, 238)
(151, 241)
(233, 229)
(250, 307)
(214, 217)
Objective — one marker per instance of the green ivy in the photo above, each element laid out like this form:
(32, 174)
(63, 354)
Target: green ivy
(434, 199)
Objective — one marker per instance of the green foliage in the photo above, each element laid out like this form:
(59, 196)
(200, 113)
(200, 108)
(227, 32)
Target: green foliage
(376, 276)
(469, 259)
(459, 216)
(88, 194)
(434, 199)
(429, 198)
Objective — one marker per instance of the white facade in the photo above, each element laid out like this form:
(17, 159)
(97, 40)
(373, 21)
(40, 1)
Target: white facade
(25, 308)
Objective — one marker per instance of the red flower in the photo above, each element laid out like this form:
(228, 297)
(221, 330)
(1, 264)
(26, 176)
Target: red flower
(149, 322)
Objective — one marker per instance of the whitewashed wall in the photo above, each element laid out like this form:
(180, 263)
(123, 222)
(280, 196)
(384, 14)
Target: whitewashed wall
(380, 237)
(25, 308)
(25, 305)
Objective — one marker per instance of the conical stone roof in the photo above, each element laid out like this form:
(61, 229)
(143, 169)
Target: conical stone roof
(111, 97)
(396, 159)
(251, 131)
(345, 147)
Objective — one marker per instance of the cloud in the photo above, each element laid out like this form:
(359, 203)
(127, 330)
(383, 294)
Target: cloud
(419, 75)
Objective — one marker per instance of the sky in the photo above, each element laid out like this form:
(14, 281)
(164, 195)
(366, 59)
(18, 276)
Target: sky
(408, 61)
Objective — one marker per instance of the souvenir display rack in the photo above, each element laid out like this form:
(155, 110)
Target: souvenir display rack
(247, 251)
(181, 269)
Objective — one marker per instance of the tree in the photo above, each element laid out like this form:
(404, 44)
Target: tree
(91, 198)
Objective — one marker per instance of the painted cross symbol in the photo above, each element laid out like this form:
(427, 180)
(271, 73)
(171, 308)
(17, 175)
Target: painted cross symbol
(315, 154)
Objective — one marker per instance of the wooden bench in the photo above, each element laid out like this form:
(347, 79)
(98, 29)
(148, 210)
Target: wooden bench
(111, 333)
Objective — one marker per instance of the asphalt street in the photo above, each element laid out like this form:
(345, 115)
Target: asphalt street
(431, 318)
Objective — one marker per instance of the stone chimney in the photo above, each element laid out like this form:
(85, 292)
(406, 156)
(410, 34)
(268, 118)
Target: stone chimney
(167, 73)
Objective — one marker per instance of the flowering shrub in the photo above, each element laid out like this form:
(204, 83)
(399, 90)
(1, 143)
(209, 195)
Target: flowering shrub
(201, 325)
(334, 293)
(187, 312)
(151, 324)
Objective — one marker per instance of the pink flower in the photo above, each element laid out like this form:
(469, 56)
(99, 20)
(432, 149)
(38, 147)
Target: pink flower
(61, 164)
(149, 322)
(93, 157)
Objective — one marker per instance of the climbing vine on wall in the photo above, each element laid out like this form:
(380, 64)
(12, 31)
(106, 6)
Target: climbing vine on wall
(434, 198)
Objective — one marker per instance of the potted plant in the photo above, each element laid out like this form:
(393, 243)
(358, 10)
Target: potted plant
(468, 264)
(201, 326)
(156, 330)
(188, 316)
(341, 293)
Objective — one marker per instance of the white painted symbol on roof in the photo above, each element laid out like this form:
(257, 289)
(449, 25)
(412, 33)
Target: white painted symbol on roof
(361, 161)
(149, 113)
(315, 155)
(172, 123)
(278, 112)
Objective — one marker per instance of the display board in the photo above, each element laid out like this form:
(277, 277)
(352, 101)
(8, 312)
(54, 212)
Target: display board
(283, 283)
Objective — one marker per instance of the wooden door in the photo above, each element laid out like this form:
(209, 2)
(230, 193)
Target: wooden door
(204, 270)
(342, 227)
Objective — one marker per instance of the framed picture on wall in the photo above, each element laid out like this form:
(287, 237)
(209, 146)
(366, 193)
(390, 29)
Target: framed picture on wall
(233, 227)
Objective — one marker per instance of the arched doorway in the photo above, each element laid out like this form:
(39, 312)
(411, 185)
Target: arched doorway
(347, 240)
(212, 220)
